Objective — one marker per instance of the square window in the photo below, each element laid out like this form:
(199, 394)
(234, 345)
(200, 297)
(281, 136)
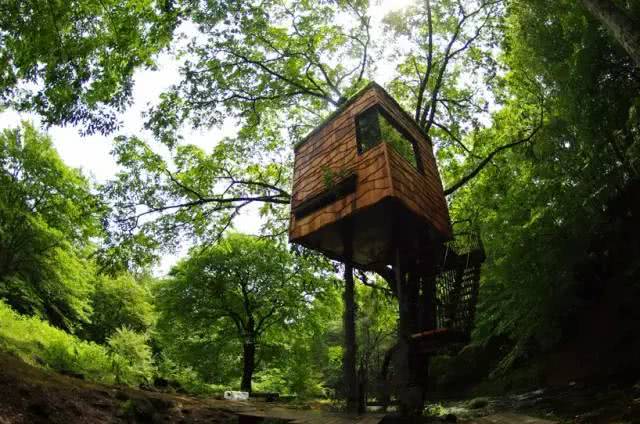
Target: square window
(368, 129)
(390, 134)
(373, 126)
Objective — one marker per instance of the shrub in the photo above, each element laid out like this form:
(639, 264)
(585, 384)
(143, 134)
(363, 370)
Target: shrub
(131, 357)
(38, 343)
(186, 378)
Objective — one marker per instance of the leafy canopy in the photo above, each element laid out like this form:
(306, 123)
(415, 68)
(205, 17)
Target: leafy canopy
(242, 290)
(72, 62)
(48, 217)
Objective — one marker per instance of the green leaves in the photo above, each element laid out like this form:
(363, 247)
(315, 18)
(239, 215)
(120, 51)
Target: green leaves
(48, 216)
(538, 205)
(72, 62)
(267, 58)
(158, 202)
(243, 288)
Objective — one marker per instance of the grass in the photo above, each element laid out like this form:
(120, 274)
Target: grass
(38, 343)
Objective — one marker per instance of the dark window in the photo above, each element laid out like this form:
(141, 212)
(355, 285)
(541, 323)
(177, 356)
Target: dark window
(374, 126)
(368, 129)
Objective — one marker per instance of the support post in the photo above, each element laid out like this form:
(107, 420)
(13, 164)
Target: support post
(350, 374)
(410, 366)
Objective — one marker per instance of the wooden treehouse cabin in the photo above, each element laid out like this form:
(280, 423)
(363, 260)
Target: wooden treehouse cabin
(367, 191)
(366, 180)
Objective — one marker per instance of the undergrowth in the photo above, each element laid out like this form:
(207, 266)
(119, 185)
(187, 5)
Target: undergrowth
(126, 361)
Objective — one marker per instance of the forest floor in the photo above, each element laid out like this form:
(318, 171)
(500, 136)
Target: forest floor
(575, 403)
(33, 395)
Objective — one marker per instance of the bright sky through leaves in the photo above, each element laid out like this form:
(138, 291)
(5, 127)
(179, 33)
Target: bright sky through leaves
(92, 153)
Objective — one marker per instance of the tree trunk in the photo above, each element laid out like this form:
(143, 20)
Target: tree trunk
(249, 363)
(619, 23)
(363, 383)
(385, 383)
(350, 348)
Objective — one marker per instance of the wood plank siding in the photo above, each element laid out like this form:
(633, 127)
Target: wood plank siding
(331, 152)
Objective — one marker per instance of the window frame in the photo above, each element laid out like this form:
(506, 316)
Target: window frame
(397, 126)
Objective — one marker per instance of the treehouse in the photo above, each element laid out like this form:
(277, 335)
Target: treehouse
(365, 181)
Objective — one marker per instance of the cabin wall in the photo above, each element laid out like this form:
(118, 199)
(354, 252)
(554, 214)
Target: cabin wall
(422, 193)
(381, 172)
(334, 147)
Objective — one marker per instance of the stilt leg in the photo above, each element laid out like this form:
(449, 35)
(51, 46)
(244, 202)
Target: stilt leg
(349, 321)
(410, 361)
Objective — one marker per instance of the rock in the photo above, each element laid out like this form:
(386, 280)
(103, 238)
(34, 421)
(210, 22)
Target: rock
(147, 387)
(104, 393)
(479, 403)
(102, 404)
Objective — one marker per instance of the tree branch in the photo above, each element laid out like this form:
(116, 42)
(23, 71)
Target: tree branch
(464, 180)
(427, 76)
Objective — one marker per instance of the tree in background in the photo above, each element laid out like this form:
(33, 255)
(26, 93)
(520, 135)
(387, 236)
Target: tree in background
(244, 285)
(621, 22)
(376, 335)
(48, 216)
(538, 207)
(117, 302)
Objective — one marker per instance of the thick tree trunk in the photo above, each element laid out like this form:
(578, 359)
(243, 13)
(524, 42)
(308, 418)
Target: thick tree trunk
(350, 348)
(249, 363)
(623, 28)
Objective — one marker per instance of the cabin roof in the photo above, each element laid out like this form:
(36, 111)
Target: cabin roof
(372, 85)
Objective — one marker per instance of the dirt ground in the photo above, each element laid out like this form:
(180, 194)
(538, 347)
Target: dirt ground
(31, 395)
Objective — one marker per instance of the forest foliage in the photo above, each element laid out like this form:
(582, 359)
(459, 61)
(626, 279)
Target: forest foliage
(533, 107)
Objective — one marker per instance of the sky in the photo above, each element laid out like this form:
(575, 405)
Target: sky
(92, 153)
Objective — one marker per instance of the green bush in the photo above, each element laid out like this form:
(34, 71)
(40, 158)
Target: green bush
(186, 378)
(131, 357)
(39, 343)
